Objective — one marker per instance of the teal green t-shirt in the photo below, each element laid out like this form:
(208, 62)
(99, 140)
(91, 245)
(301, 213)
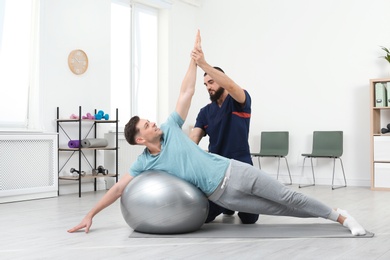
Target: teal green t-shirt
(181, 157)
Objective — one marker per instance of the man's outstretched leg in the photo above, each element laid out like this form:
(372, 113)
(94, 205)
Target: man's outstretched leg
(349, 222)
(252, 190)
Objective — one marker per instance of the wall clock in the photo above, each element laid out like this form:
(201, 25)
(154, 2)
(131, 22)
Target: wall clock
(78, 61)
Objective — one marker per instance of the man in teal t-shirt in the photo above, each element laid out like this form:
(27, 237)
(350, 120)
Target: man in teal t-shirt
(181, 157)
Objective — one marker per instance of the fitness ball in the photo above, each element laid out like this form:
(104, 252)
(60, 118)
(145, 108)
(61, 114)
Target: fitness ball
(156, 202)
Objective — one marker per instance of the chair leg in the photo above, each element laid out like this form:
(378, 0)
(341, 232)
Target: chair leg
(258, 160)
(312, 171)
(342, 168)
(288, 168)
(289, 173)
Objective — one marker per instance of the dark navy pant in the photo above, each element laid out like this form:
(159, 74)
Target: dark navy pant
(215, 210)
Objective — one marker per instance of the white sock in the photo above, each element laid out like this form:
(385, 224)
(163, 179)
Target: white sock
(350, 223)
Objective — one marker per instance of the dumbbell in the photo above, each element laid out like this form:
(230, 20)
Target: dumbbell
(88, 116)
(386, 130)
(100, 115)
(101, 170)
(73, 116)
(72, 170)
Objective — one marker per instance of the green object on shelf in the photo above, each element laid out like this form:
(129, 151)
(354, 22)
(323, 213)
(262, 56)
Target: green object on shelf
(380, 95)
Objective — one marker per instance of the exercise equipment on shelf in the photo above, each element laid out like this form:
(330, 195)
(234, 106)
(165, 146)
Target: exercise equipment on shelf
(88, 116)
(101, 170)
(100, 115)
(74, 143)
(73, 116)
(73, 170)
(386, 130)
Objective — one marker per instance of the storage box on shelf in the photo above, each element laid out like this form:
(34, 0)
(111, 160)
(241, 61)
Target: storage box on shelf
(86, 128)
(380, 138)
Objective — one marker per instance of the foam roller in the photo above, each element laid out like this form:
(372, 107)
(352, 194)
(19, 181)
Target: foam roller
(74, 144)
(94, 142)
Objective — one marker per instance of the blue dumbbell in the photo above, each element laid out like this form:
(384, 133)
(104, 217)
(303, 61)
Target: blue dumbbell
(100, 115)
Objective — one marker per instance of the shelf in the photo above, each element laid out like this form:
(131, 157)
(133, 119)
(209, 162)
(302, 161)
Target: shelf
(86, 128)
(86, 120)
(76, 178)
(379, 118)
(86, 148)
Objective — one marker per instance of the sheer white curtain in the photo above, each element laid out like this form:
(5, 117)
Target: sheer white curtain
(33, 114)
(19, 36)
(121, 59)
(145, 55)
(134, 60)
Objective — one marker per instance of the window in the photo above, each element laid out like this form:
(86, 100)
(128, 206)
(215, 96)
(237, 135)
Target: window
(17, 70)
(144, 97)
(133, 60)
(120, 59)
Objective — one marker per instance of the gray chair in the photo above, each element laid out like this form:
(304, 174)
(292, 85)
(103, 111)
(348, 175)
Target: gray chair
(326, 144)
(274, 144)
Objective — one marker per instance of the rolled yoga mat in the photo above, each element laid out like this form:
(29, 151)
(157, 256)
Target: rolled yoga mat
(74, 144)
(94, 142)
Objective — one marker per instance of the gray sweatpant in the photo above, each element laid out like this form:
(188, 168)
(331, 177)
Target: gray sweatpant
(246, 188)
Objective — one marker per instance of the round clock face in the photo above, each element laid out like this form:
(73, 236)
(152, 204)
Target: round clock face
(78, 61)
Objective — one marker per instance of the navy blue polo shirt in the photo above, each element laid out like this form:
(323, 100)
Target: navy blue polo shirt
(227, 127)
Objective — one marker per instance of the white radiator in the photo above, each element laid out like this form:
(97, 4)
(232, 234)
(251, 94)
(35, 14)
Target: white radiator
(28, 166)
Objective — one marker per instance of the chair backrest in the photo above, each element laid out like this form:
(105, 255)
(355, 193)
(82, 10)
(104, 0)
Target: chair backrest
(274, 143)
(327, 143)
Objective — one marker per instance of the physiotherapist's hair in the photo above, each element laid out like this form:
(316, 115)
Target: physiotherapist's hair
(217, 68)
(131, 130)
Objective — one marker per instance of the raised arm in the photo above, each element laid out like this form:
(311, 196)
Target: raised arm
(221, 78)
(187, 89)
(110, 197)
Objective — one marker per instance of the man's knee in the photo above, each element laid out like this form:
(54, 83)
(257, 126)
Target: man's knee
(248, 218)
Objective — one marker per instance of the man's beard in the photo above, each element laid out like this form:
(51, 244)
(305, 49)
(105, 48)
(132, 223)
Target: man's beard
(217, 94)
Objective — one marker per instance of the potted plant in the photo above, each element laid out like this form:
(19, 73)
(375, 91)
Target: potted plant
(387, 56)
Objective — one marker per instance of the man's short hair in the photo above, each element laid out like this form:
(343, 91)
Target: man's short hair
(131, 130)
(217, 68)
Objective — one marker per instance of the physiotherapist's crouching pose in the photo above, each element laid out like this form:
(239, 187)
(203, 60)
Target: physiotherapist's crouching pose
(233, 185)
(226, 121)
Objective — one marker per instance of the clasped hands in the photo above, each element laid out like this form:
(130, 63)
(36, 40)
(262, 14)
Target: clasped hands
(197, 53)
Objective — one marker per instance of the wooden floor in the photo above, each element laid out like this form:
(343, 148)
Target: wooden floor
(37, 230)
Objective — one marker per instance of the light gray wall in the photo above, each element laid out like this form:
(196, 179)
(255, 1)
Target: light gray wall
(306, 64)
(65, 26)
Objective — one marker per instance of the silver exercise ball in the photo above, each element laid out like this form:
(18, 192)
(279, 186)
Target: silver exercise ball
(156, 202)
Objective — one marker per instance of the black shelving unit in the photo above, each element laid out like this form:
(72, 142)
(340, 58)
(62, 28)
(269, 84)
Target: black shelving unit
(91, 126)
